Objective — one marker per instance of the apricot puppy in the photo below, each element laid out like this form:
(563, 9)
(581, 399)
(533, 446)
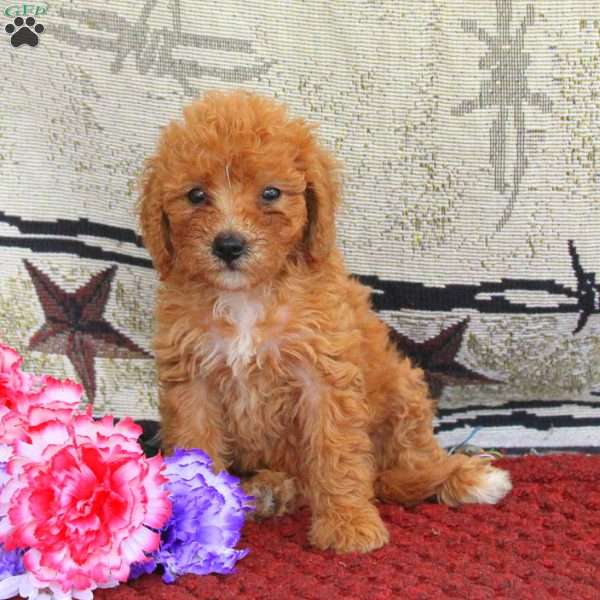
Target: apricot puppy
(269, 356)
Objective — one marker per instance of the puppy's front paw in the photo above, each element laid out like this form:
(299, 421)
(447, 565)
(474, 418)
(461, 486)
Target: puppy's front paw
(349, 529)
(275, 494)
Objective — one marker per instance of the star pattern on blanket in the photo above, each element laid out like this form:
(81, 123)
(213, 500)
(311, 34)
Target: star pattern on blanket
(437, 357)
(76, 327)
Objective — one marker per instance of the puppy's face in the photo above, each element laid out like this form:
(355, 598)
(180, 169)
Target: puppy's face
(235, 191)
(235, 217)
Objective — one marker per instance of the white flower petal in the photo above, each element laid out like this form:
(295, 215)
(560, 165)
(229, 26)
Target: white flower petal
(32, 589)
(9, 587)
(5, 453)
(109, 584)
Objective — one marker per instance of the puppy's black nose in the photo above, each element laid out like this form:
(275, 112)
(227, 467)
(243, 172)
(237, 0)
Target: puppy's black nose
(229, 246)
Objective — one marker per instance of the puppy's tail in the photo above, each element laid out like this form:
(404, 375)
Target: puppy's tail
(476, 481)
(453, 479)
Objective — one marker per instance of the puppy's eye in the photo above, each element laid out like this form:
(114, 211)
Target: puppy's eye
(197, 196)
(270, 194)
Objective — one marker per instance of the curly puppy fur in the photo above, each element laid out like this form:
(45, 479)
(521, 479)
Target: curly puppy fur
(274, 363)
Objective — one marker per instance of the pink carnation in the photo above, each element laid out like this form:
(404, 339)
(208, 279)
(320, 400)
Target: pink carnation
(82, 498)
(9, 359)
(27, 401)
(14, 382)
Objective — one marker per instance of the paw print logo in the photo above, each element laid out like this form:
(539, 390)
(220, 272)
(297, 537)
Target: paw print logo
(24, 32)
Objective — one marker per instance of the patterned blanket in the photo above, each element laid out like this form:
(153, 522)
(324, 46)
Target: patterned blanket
(470, 137)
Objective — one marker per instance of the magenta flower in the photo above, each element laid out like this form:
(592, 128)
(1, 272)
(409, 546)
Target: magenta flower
(83, 501)
(11, 561)
(13, 381)
(27, 401)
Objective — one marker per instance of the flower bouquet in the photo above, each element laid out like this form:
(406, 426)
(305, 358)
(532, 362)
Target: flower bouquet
(81, 507)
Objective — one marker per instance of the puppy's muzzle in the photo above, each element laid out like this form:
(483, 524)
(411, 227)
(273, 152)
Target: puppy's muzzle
(229, 247)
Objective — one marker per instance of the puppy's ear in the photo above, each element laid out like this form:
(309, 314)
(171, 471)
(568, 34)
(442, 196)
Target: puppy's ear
(322, 199)
(154, 222)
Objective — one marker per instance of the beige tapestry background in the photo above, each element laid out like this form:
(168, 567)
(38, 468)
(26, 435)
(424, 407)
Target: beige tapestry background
(470, 135)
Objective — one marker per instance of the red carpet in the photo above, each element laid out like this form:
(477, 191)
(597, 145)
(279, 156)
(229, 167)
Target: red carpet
(542, 542)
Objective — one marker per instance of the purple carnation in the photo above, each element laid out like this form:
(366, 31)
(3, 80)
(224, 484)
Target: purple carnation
(208, 515)
(142, 568)
(10, 563)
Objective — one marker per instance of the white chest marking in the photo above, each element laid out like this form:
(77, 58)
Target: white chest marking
(244, 313)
